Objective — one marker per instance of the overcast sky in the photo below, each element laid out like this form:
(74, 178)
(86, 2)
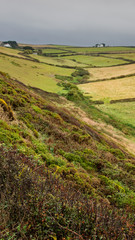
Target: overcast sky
(71, 22)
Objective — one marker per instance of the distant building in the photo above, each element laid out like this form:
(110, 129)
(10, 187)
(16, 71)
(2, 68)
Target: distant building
(7, 45)
(100, 45)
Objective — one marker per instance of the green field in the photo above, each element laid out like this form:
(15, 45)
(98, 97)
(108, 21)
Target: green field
(32, 73)
(58, 61)
(129, 56)
(53, 50)
(121, 111)
(97, 61)
(100, 50)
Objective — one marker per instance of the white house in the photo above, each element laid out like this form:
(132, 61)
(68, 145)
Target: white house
(7, 45)
(100, 45)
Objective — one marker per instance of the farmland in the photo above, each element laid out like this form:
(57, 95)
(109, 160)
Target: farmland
(59, 61)
(127, 56)
(111, 74)
(111, 89)
(33, 73)
(98, 50)
(9, 51)
(96, 60)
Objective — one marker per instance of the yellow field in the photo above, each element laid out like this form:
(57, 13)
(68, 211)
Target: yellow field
(10, 51)
(35, 45)
(109, 72)
(111, 89)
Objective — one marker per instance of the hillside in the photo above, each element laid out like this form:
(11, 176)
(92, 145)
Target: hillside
(60, 177)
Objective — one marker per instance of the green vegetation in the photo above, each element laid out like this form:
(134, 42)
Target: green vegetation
(95, 60)
(122, 112)
(98, 50)
(59, 61)
(60, 177)
(127, 56)
(33, 73)
(52, 50)
(10, 51)
(46, 147)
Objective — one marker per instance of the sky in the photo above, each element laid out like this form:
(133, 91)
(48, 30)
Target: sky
(68, 22)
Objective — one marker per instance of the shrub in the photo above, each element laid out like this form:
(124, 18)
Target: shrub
(80, 72)
(74, 94)
(35, 204)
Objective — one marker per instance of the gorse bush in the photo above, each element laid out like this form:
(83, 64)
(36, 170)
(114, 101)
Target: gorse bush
(7, 109)
(80, 72)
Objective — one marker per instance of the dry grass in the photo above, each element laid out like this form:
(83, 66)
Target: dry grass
(117, 136)
(3, 115)
(37, 45)
(111, 89)
(108, 72)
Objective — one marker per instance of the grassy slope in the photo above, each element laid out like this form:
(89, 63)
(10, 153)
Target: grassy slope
(124, 111)
(33, 73)
(10, 51)
(80, 161)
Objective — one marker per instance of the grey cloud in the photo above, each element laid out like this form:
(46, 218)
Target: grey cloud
(77, 22)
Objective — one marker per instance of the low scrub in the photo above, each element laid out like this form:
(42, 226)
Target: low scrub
(35, 204)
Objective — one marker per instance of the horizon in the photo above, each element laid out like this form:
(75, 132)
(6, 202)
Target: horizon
(72, 23)
(53, 44)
